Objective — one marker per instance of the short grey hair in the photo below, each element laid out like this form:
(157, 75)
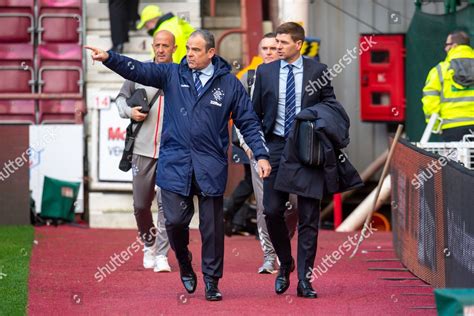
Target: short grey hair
(207, 36)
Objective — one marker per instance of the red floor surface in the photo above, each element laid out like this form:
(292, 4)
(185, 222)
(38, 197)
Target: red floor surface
(65, 260)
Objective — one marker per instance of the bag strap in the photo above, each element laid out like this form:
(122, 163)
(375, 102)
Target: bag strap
(250, 79)
(139, 124)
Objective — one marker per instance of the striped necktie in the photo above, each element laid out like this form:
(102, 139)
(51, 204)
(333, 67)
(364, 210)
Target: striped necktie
(197, 82)
(290, 100)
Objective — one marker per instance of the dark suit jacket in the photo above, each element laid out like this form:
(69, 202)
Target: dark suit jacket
(336, 174)
(292, 176)
(266, 91)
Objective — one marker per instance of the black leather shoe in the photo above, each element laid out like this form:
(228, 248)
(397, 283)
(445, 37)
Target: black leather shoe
(282, 282)
(212, 292)
(187, 275)
(189, 280)
(304, 289)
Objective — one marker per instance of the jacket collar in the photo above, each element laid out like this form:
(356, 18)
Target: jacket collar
(298, 63)
(221, 68)
(162, 19)
(461, 51)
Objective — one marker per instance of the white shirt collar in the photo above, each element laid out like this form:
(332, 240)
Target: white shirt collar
(297, 63)
(208, 71)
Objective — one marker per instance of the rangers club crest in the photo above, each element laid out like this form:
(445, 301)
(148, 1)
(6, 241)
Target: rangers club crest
(218, 95)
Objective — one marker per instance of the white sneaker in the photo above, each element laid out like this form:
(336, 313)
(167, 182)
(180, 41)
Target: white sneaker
(149, 255)
(268, 267)
(161, 264)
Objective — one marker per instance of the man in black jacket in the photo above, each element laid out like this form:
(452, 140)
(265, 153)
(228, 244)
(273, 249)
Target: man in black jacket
(277, 102)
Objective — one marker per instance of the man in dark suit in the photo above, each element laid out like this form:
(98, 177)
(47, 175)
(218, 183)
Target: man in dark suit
(282, 90)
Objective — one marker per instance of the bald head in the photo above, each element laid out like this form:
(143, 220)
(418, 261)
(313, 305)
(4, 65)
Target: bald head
(164, 46)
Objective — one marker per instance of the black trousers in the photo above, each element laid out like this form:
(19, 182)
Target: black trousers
(179, 210)
(456, 134)
(121, 12)
(275, 203)
(241, 193)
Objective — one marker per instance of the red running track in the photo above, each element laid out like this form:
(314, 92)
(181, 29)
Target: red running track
(65, 260)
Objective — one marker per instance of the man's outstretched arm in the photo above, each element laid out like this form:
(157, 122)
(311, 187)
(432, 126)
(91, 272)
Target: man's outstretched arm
(148, 74)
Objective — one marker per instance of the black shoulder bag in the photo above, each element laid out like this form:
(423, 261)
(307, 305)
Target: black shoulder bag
(310, 151)
(138, 98)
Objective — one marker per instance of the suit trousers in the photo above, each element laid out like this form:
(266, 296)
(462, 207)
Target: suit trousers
(121, 12)
(179, 210)
(291, 214)
(275, 203)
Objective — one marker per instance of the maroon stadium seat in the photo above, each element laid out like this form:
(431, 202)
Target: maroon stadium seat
(60, 111)
(60, 4)
(18, 3)
(16, 68)
(17, 112)
(60, 21)
(60, 68)
(17, 21)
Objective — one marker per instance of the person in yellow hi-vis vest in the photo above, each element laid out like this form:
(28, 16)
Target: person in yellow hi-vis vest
(154, 21)
(449, 89)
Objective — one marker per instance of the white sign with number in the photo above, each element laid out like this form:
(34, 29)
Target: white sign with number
(102, 101)
(112, 130)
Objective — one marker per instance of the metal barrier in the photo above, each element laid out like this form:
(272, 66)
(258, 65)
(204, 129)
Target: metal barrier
(432, 216)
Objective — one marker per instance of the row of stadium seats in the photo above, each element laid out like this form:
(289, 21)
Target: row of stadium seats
(41, 52)
(55, 68)
(41, 111)
(55, 21)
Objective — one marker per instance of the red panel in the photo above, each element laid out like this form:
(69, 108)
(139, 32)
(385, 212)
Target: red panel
(16, 64)
(67, 59)
(18, 3)
(59, 4)
(382, 75)
(60, 80)
(251, 16)
(16, 51)
(14, 29)
(17, 111)
(58, 28)
(14, 187)
(18, 79)
(60, 111)
(59, 52)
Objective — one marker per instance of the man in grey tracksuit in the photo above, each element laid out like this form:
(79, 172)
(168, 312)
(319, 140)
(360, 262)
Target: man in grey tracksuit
(145, 158)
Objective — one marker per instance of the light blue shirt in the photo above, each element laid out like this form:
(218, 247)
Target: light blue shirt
(206, 74)
(298, 73)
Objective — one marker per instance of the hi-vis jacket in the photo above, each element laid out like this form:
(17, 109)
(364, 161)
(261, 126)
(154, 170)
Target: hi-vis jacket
(453, 102)
(181, 31)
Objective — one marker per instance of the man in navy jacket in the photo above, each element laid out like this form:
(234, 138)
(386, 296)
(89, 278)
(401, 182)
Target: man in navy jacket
(200, 96)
